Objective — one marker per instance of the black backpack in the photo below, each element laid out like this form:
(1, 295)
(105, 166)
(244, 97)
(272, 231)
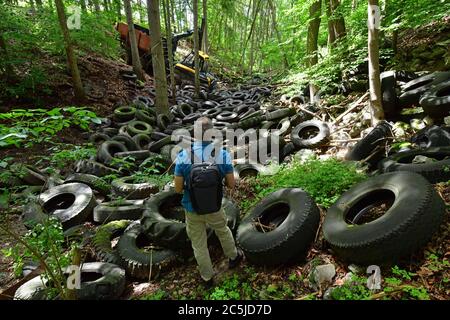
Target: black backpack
(205, 185)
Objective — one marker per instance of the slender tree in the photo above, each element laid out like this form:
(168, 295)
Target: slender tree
(196, 48)
(331, 33)
(338, 20)
(166, 8)
(311, 41)
(136, 60)
(205, 27)
(71, 57)
(159, 68)
(277, 32)
(374, 62)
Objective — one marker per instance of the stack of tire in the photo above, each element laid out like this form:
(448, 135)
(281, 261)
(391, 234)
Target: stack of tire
(431, 92)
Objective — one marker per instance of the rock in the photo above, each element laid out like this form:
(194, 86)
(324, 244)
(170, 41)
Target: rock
(324, 157)
(422, 159)
(323, 274)
(304, 155)
(32, 213)
(348, 117)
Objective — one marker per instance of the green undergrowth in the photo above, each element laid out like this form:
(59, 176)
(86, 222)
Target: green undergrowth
(324, 180)
(24, 128)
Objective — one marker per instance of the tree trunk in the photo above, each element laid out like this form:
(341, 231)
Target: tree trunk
(394, 41)
(251, 31)
(196, 48)
(354, 5)
(166, 7)
(311, 41)
(159, 68)
(331, 33)
(339, 23)
(80, 95)
(274, 21)
(136, 60)
(205, 29)
(374, 63)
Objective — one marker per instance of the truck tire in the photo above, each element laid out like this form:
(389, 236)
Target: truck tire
(142, 141)
(125, 113)
(34, 289)
(389, 94)
(170, 231)
(71, 203)
(139, 262)
(245, 170)
(118, 210)
(133, 191)
(108, 149)
(125, 139)
(145, 116)
(95, 168)
(157, 145)
(162, 121)
(434, 172)
(436, 102)
(138, 155)
(102, 241)
(92, 181)
(98, 138)
(431, 137)
(413, 90)
(369, 143)
(109, 281)
(139, 127)
(295, 219)
(318, 137)
(166, 231)
(414, 212)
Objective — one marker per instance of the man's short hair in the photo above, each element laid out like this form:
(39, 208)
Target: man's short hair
(202, 125)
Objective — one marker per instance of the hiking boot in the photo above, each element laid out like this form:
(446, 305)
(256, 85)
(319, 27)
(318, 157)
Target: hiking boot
(233, 263)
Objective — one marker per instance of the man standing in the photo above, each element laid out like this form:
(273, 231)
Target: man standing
(195, 221)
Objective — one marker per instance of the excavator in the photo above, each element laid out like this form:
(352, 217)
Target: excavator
(184, 70)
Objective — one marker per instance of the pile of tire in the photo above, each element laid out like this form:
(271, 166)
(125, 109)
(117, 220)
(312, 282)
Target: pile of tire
(406, 89)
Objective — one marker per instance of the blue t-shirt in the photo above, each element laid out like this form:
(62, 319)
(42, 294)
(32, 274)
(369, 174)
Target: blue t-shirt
(183, 166)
